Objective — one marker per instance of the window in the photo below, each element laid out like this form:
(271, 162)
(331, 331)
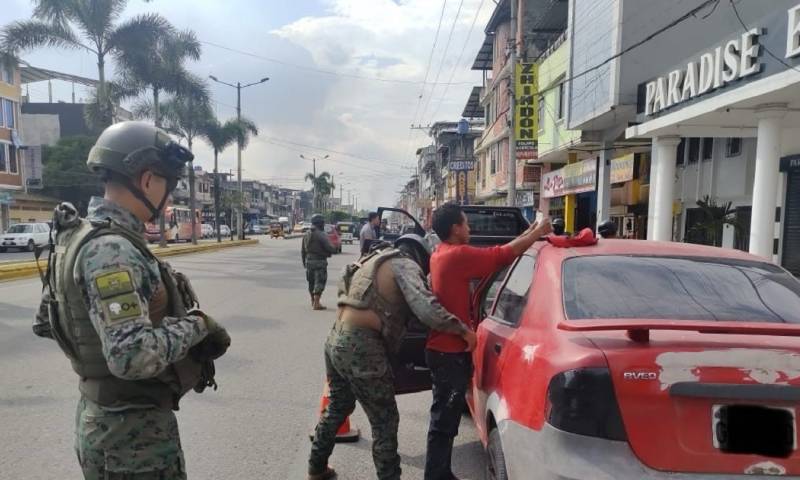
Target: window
(694, 150)
(8, 113)
(7, 74)
(560, 102)
(493, 160)
(679, 288)
(541, 112)
(490, 293)
(733, 147)
(680, 153)
(20, 228)
(708, 149)
(13, 160)
(3, 158)
(514, 295)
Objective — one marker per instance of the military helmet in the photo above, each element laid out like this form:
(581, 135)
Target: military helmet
(607, 228)
(129, 148)
(558, 226)
(317, 220)
(417, 248)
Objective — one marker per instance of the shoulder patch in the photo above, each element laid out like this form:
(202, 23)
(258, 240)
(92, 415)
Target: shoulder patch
(121, 307)
(114, 283)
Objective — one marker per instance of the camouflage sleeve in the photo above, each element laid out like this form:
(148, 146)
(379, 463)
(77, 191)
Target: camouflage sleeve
(303, 249)
(118, 283)
(41, 321)
(421, 300)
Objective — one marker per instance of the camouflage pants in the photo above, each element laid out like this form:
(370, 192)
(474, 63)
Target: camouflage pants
(138, 444)
(317, 276)
(358, 369)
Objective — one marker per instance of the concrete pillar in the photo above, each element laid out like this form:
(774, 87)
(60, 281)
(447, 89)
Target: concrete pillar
(651, 201)
(664, 185)
(604, 182)
(765, 183)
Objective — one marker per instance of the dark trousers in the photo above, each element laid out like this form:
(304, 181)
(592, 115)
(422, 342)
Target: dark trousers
(450, 373)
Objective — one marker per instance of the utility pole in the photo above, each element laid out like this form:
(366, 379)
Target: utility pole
(511, 201)
(314, 183)
(239, 87)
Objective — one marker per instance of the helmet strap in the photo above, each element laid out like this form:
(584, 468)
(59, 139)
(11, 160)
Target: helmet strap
(139, 194)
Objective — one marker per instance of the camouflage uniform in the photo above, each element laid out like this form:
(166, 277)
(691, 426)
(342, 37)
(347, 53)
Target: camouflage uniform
(128, 434)
(357, 361)
(315, 252)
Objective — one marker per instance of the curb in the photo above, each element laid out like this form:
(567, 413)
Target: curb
(13, 271)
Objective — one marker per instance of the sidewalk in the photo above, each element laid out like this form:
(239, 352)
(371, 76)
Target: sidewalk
(15, 270)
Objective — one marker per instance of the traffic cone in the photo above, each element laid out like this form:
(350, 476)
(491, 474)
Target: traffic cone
(346, 433)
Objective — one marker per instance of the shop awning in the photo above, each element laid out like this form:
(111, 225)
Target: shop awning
(473, 108)
(30, 74)
(483, 61)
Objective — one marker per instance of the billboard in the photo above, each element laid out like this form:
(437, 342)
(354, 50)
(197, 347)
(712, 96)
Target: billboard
(526, 110)
(574, 178)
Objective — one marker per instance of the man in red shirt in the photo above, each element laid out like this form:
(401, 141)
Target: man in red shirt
(453, 265)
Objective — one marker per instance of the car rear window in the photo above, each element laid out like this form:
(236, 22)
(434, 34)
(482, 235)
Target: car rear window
(679, 288)
(495, 223)
(20, 229)
(344, 228)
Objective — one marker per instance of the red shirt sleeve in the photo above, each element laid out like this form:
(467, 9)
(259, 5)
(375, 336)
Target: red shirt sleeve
(479, 262)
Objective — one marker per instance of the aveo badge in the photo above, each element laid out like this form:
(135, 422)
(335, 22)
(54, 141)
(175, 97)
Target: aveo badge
(639, 375)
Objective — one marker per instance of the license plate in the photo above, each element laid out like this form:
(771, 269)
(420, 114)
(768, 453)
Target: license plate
(755, 429)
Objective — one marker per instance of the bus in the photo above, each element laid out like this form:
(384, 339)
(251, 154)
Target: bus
(178, 226)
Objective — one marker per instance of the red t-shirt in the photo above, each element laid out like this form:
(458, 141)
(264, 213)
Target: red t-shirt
(452, 269)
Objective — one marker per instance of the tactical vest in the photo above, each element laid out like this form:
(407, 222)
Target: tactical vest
(75, 334)
(361, 291)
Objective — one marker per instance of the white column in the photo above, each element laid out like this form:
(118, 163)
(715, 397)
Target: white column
(651, 199)
(765, 183)
(604, 182)
(664, 186)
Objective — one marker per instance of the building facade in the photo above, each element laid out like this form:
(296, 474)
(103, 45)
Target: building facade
(11, 165)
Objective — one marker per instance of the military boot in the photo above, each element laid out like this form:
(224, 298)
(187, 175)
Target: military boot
(328, 474)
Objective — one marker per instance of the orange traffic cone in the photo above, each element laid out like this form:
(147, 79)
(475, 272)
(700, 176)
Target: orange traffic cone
(346, 433)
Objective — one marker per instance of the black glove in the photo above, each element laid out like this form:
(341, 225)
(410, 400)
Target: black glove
(216, 342)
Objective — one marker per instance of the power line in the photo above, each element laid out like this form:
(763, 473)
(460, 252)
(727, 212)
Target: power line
(444, 57)
(328, 150)
(316, 70)
(460, 55)
(746, 28)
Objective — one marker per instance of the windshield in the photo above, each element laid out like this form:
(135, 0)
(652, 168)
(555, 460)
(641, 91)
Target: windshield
(20, 229)
(679, 288)
(344, 228)
(494, 223)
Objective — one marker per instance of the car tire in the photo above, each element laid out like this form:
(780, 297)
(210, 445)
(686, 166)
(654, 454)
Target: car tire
(31, 246)
(496, 461)
(3, 249)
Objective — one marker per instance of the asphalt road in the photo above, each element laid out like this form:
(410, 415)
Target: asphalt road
(256, 425)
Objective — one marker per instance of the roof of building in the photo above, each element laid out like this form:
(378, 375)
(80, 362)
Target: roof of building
(473, 108)
(31, 74)
(483, 61)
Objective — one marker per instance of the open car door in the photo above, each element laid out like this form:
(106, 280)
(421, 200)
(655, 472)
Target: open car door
(396, 222)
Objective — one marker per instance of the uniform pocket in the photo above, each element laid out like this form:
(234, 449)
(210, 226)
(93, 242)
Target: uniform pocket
(372, 365)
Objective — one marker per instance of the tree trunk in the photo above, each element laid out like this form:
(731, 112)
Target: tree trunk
(192, 209)
(102, 101)
(216, 195)
(161, 218)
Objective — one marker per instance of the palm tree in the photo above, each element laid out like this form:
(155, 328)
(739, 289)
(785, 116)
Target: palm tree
(708, 229)
(186, 117)
(323, 186)
(159, 68)
(221, 136)
(56, 21)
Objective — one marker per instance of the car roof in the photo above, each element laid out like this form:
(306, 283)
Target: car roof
(646, 247)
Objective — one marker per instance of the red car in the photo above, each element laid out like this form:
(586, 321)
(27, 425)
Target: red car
(333, 236)
(638, 360)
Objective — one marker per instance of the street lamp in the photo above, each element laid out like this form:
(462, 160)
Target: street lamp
(314, 183)
(239, 88)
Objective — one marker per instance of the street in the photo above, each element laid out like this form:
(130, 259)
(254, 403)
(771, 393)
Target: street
(256, 425)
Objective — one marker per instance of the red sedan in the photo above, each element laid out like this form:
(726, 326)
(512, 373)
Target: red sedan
(638, 360)
(333, 236)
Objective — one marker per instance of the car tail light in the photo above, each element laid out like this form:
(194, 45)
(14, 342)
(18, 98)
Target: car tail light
(582, 401)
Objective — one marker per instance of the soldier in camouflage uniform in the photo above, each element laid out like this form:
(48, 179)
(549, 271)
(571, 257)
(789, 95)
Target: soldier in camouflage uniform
(129, 324)
(315, 252)
(378, 296)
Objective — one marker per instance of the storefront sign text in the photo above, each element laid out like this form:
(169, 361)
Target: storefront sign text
(526, 110)
(575, 178)
(622, 169)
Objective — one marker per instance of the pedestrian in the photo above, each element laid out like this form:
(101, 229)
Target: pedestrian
(454, 265)
(368, 232)
(129, 324)
(607, 229)
(378, 296)
(316, 250)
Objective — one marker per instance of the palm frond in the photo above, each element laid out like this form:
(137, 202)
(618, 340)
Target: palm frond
(29, 34)
(138, 35)
(184, 44)
(245, 129)
(54, 11)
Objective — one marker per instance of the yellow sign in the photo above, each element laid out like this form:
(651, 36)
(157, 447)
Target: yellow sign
(526, 110)
(622, 168)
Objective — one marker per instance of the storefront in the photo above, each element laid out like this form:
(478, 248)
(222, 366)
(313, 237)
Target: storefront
(745, 85)
(571, 194)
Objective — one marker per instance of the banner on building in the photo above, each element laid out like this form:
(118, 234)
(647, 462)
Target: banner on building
(575, 178)
(622, 168)
(526, 110)
(33, 167)
(461, 165)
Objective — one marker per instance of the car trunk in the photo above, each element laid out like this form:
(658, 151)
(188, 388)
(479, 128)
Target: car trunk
(706, 401)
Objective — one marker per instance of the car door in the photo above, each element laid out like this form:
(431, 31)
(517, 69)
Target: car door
(496, 331)
(402, 217)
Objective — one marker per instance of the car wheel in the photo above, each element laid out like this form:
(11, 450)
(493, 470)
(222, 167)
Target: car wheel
(496, 463)
(31, 246)
(2, 249)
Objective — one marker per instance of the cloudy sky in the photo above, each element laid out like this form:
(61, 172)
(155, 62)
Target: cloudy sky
(345, 79)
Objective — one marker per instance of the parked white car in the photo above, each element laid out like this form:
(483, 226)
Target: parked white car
(224, 231)
(25, 236)
(206, 230)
